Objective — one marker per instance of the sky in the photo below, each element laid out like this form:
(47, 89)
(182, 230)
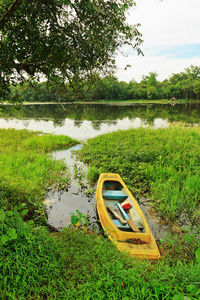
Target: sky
(171, 33)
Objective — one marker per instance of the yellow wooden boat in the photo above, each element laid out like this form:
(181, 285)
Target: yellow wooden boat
(127, 228)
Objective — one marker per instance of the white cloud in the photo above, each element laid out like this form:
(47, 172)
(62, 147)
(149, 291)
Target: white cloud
(163, 65)
(167, 21)
(165, 25)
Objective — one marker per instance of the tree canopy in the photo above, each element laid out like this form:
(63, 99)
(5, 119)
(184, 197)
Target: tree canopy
(64, 40)
(183, 85)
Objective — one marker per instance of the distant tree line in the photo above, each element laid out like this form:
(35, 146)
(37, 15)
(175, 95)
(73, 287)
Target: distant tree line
(184, 85)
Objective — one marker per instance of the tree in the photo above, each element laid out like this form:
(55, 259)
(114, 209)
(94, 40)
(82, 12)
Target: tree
(151, 85)
(193, 72)
(187, 86)
(152, 81)
(64, 40)
(196, 87)
(152, 93)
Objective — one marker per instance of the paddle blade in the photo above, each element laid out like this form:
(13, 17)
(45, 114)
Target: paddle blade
(132, 225)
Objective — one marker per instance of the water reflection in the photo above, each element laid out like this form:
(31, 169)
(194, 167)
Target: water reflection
(60, 204)
(87, 121)
(158, 122)
(78, 124)
(86, 129)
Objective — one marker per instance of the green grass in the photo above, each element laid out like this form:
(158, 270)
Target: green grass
(161, 163)
(75, 264)
(26, 169)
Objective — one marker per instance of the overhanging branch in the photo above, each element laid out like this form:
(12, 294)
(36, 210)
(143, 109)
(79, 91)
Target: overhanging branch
(9, 13)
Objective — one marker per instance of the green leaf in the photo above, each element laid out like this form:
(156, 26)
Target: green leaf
(9, 213)
(87, 222)
(75, 219)
(4, 239)
(11, 232)
(17, 278)
(178, 297)
(192, 289)
(14, 237)
(2, 215)
(197, 254)
(188, 239)
(24, 212)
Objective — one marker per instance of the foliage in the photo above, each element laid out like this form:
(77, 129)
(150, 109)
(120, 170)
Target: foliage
(75, 264)
(197, 254)
(79, 219)
(66, 41)
(26, 169)
(93, 174)
(12, 227)
(184, 85)
(48, 143)
(163, 164)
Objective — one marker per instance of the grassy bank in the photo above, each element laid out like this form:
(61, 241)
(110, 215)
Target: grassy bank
(26, 169)
(163, 164)
(73, 264)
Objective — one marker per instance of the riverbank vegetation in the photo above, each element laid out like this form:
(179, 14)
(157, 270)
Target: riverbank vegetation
(183, 85)
(26, 170)
(163, 164)
(73, 264)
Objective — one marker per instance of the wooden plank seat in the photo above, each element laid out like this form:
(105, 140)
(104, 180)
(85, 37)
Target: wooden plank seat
(114, 195)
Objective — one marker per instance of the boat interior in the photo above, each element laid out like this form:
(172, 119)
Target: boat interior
(116, 197)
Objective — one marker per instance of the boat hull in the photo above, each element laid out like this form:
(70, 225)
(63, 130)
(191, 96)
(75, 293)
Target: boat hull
(111, 190)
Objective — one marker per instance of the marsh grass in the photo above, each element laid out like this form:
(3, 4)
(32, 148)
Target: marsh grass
(161, 163)
(26, 170)
(75, 264)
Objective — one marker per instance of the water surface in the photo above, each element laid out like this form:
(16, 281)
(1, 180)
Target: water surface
(87, 121)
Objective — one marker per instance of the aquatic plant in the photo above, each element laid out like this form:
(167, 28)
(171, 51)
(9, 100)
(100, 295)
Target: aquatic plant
(161, 163)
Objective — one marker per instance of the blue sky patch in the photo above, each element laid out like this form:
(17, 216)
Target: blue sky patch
(179, 52)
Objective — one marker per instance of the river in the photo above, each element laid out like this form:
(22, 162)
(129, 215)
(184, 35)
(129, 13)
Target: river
(82, 121)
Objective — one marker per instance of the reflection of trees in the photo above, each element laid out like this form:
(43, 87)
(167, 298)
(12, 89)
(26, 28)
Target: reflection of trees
(78, 123)
(109, 123)
(96, 125)
(189, 113)
(26, 123)
(58, 122)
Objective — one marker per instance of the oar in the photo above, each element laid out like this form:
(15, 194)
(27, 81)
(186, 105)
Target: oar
(128, 220)
(117, 216)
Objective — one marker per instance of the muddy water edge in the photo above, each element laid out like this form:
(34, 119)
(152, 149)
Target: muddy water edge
(74, 197)
(78, 197)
